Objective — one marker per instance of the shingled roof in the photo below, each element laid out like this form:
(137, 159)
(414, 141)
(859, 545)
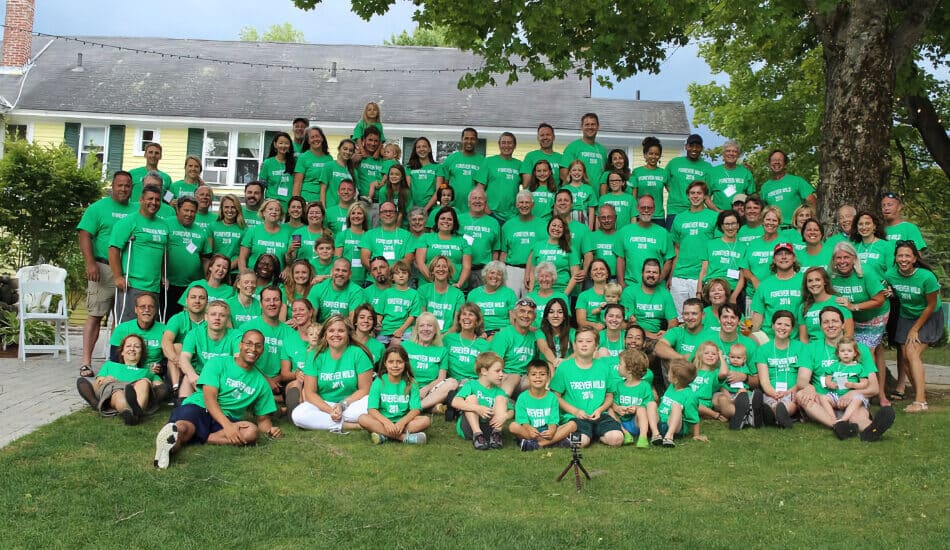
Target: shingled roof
(128, 83)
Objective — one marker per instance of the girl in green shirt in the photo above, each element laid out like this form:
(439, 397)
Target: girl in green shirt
(277, 170)
(542, 187)
(393, 407)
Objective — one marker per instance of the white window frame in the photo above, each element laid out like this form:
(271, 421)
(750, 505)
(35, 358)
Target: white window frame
(105, 144)
(138, 149)
(232, 156)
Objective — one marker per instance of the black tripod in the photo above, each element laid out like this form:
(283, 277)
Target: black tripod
(576, 464)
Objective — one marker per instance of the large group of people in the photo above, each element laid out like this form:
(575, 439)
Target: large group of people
(566, 292)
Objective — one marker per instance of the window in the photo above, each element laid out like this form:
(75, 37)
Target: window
(231, 157)
(143, 137)
(16, 132)
(92, 145)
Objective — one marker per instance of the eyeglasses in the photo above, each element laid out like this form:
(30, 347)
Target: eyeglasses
(906, 242)
(526, 302)
(890, 195)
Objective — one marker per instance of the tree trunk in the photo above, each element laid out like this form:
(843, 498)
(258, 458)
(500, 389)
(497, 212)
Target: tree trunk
(862, 47)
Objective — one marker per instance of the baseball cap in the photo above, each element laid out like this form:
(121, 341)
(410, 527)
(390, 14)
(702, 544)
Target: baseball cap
(694, 138)
(787, 247)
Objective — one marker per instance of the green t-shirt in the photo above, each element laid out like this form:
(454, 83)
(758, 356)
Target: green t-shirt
(251, 217)
(331, 176)
(239, 390)
(860, 289)
(152, 337)
(913, 291)
(748, 233)
(426, 361)
(543, 204)
(877, 256)
(203, 349)
(692, 231)
(182, 188)
(138, 174)
(517, 236)
(725, 260)
(368, 171)
(392, 245)
(584, 197)
(757, 258)
(329, 301)
(824, 363)
(308, 239)
(278, 183)
(99, 219)
(705, 383)
(336, 218)
(126, 373)
(486, 398)
(604, 247)
(311, 166)
(613, 347)
(650, 310)
(424, 181)
(396, 306)
(638, 243)
(538, 412)
(681, 172)
(544, 251)
(542, 301)
(651, 182)
(636, 395)
(589, 300)
(361, 126)
(905, 231)
(444, 306)
(686, 342)
(393, 400)
(462, 353)
(180, 324)
(274, 337)
(501, 179)
(222, 292)
(241, 314)
(483, 234)
(495, 306)
(462, 171)
(186, 246)
(584, 388)
(624, 205)
(724, 184)
(555, 159)
(349, 243)
(783, 364)
(594, 157)
(149, 240)
(260, 241)
(337, 379)
(811, 317)
(685, 398)
(515, 349)
(454, 248)
(226, 239)
(297, 352)
(775, 294)
(787, 193)
(822, 259)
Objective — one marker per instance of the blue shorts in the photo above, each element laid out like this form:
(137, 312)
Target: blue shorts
(204, 424)
(630, 426)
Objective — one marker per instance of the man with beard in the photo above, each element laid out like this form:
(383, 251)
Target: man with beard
(649, 304)
(229, 387)
(369, 167)
(462, 168)
(782, 290)
(95, 230)
(379, 271)
(144, 325)
(253, 195)
(642, 240)
(680, 342)
(337, 295)
(517, 345)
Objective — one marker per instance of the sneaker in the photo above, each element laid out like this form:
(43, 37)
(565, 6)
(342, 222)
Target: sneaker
(494, 440)
(164, 442)
(668, 443)
(480, 442)
(742, 410)
(756, 410)
(132, 399)
(528, 445)
(338, 430)
(417, 438)
(129, 417)
(291, 399)
(844, 429)
(628, 438)
(643, 442)
(768, 416)
(87, 391)
(883, 420)
(782, 417)
(657, 440)
(378, 439)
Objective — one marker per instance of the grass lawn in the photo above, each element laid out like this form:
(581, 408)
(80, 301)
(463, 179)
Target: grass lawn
(89, 482)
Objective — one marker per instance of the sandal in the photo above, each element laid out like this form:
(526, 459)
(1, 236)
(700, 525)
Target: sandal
(897, 395)
(916, 407)
(86, 371)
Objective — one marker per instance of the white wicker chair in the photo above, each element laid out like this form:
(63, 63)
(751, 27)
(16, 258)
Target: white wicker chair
(43, 298)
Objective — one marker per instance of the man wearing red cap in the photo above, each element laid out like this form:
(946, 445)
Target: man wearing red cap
(781, 290)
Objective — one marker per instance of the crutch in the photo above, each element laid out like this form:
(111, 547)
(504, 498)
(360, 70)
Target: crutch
(117, 314)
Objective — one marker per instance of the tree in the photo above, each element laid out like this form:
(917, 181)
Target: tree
(43, 193)
(434, 37)
(274, 33)
(853, 49)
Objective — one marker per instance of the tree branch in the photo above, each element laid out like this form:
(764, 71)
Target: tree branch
(923, 117)
(908, 33)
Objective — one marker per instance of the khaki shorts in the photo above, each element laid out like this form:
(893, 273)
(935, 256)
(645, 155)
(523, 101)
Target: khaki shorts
(100, 295)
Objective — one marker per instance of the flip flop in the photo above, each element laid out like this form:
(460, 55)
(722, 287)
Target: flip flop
(86, 371)
(897, 395)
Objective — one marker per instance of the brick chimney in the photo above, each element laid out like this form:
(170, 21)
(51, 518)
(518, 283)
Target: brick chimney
(17, 42)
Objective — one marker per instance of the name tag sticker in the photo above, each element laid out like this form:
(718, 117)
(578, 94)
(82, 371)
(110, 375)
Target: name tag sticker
(732, 273)
(191, 248)
(283, 191)
(389, 255)
(729, 191)
(737, 385)
(781, 386)
(169, 196)
(355, 262)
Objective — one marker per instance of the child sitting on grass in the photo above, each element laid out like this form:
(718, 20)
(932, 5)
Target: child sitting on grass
(483, 404)
(842, 376)
(394, 407)
(634, 404)
(732, 399)
(537, 412)
(707, 360)
(679, 407)
(399, 307)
